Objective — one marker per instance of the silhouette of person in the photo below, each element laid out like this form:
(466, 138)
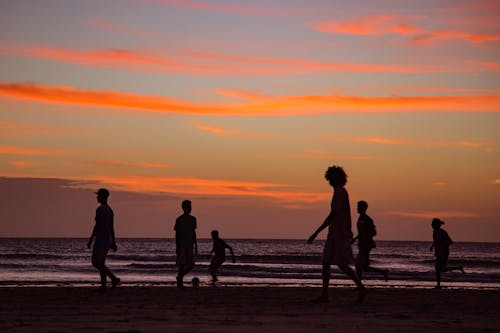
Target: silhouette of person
(219, 248)
(441, 246)
(185, 241)
(337, 248)
(103, 237)
(366, 232)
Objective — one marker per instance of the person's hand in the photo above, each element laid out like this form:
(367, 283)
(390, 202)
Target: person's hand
(113, 247)
(311, 239)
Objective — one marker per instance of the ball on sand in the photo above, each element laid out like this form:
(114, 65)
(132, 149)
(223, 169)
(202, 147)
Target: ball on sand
(196, 282)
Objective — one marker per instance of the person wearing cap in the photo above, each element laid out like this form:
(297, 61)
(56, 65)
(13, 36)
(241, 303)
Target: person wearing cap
(103, 238)
(441, 246)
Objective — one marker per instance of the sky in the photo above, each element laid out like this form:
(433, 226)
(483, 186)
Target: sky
(241, 106)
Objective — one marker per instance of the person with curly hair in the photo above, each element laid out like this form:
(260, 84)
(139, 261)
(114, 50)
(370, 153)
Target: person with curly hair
(337, 250)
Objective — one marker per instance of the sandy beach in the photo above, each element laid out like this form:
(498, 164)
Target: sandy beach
(246, 309)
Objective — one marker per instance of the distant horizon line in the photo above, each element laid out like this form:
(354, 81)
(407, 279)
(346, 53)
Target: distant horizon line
(237, 239)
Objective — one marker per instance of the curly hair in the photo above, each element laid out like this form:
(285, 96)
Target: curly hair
(336, 176)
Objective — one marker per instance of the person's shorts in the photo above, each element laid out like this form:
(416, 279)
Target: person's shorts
(185, 256)
(99, 254)
(363, 258)
(441, 262)
(217, 262)
(337, 252)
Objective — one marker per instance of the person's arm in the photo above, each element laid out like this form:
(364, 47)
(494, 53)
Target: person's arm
(91, 238)
(232, 253)
(195, 243)
(320, 229)
(354, 239)
(213, 250)
(113, 240)
(448, 238)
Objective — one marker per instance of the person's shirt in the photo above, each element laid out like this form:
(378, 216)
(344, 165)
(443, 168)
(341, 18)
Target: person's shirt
(366, 231)
(185, 226)
(219, 248)
(442, 242)
(103, 226)
(340, 224)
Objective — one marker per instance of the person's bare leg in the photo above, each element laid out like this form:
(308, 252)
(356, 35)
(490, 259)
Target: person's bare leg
(352, 274)
(326, 282)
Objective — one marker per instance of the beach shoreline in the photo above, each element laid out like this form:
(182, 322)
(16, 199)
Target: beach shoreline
(246, 309)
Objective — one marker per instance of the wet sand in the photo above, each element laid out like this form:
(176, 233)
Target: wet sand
(246, 309)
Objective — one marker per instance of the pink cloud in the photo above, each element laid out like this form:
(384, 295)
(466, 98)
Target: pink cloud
(191, 62)
(230, 132)
(432, 214)
(226, 8)
(384, 24)
(208, 187)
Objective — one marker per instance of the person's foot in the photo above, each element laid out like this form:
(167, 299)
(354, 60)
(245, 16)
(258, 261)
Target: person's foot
(180, 283)
(100, 290)
(115, 282)
(321, 299)
(361, 294)
(386, 275)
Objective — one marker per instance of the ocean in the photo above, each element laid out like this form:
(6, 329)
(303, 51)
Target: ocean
(265, 262)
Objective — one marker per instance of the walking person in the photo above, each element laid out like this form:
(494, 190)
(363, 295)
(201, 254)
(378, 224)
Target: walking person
(103, 238)
(337, 250)
(366, 232)
(441, 242)
(185, 242)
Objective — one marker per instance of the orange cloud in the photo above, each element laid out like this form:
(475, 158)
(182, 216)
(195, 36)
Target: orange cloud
(440, 184)
(191, 62)
(121, 164)
(496, 182)
(230, 133)
(272, 106)
(377, 140)
(395, 24)
(323, 155)
(308, 66)
(473, 144)
(14, 150)
(211, 187)
(432, 214)
(16, 129)
(22, 164)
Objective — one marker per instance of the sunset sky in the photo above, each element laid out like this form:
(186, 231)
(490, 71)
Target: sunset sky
(240, 106)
